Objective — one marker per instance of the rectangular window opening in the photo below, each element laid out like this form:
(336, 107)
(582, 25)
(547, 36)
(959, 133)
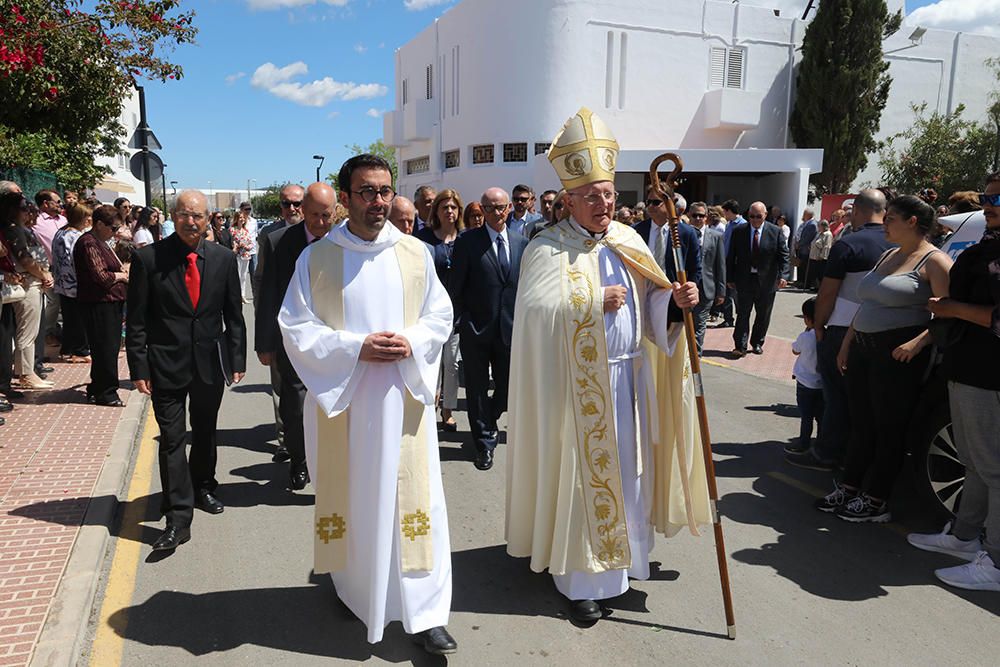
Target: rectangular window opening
(430, 82)
(451, 159)
(418, 165)
(482, 154)
(542, 147)
(515, 152)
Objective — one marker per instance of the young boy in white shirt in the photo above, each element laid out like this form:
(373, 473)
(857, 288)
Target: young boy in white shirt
(808, 384)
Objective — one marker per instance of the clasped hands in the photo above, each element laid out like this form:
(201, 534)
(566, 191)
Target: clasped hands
(385, 346)
(685, 296)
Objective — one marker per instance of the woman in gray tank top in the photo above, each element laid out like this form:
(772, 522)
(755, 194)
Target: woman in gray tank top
(885, 355)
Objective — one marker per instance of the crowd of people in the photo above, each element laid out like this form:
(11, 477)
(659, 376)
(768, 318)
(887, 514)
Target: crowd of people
(368, 329)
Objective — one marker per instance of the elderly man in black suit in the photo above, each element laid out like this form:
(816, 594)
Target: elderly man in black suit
(287, 243)
(712, 285)
(185, 340)
(484, 268)
(290, 199)
(757, 266)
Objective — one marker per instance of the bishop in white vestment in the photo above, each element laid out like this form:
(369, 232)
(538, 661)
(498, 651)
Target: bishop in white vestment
(381, 527)
(603, 429)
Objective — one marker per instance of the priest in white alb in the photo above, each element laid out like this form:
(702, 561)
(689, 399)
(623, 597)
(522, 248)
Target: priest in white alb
(363, 321)
(603, 434)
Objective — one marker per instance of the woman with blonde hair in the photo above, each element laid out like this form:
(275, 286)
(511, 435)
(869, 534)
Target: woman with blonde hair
(243, 247)
(442, 229)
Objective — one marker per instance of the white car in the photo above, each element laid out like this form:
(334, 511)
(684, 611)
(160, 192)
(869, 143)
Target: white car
(940, 474)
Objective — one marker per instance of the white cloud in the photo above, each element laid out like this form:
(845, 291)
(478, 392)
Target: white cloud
(333, 114)
(982, 16)
(233, 78)
(360, 48)
(417, 5)
(374, 113)
(265, 5)
(317, 93)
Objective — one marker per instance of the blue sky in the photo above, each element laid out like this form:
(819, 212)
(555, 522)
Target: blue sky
(271, 83)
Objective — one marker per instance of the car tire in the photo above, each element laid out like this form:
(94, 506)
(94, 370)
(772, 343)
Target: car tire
(940, 474)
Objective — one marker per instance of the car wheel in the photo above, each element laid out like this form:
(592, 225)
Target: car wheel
(940, 473)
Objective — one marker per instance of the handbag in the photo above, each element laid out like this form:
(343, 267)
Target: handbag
(946, 331)
(12, 293)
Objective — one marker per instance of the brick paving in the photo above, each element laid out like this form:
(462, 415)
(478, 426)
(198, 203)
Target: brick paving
(52, 449)
(775, 364)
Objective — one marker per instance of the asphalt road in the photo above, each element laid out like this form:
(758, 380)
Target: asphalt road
(808, 588)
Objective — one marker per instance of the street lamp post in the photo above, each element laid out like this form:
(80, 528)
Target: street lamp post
(319, 166)
(163, 183)
(173, 186)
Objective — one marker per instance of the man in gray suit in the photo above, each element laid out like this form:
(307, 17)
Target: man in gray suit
(712, 286)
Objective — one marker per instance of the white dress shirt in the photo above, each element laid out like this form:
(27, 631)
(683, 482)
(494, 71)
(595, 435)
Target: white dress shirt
(493, 241)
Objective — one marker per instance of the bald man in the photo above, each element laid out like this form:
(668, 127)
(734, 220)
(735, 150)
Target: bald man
(402, 214)
(287, 243)
(185, 341)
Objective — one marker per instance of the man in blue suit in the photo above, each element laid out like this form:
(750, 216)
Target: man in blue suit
(483, 282)
(521, 213)
(656, 233)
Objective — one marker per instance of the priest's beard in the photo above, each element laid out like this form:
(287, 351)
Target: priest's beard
(368, 222)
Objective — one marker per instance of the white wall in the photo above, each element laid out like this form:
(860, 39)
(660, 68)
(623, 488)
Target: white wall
(130, 120)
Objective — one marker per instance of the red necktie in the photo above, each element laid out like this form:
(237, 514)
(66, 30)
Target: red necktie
(192, 279)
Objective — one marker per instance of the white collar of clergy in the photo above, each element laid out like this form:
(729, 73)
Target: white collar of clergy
(577, 227)
(343, 237)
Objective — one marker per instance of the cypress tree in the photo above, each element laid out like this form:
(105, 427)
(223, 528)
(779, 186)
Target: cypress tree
(842, 86)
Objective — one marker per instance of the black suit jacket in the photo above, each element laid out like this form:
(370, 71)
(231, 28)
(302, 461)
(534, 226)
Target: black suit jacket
(690, 254)
(167, 340)
(286, 244)
(482, 298)
(772, 261)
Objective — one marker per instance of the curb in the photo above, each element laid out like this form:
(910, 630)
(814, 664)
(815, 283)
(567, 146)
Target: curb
(65, 630)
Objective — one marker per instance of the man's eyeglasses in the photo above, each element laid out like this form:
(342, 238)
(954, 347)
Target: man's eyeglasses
(755, 216)
(369, 194)
(288, 203)
(697, 215)
(598, 197)
(989, 200)
(495, 208)
(184, 215)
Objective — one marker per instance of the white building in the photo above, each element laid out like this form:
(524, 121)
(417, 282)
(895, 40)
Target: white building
(121, 182)
(481, 92)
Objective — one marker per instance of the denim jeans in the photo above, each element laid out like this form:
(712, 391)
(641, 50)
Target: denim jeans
(835, 427)
(810, 402)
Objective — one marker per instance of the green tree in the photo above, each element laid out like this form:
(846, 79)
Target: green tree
(268, 205)
(942, 151)
(993, 112)
(378, 148)
(65, 69)
(842, 86)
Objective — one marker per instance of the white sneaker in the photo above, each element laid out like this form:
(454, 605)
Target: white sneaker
(979, 575)
(946, 543)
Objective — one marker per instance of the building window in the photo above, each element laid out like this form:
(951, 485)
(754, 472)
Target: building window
(727, 68)
(482, 154)
(515, 152)
(405, 93)
(451, 159)
(418, 165)
(430, 82)
(121, 160)
(542, 148)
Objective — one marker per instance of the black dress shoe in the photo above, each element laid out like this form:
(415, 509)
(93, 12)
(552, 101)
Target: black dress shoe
(13, 394)
(2, 421)
(585, 611)
(5, 405)
(484, 459)
(281, 455)
(172, 538)
(43, 369)
(299, 479)
(436, 641)
(758, 349)
(113, 403)
(738, 353)
(206, 502)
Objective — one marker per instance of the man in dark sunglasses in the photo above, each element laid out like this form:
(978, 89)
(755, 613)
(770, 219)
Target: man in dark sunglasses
(522, 212)
(290, 197)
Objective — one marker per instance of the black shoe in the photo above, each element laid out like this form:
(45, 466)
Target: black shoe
(299, 479)
(862, 508)
(2, 421)
(13, 394)
(207, 502)
(43, 369)
(484, 459)
(585, 611)
(738, 353)
(450, 427)
(5, 405)
(172, 538)
(436, 641)
(113, 403)
(758, 349)
(796, 448)
(835, 500)
(281, 455)
(808, 461)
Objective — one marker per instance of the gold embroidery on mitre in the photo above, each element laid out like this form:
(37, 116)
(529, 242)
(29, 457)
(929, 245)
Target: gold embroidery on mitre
(584, 151)
(416, 524)
(598, 449)
(331, 527)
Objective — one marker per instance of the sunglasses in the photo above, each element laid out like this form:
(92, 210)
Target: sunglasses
(653, 202)
(522, 200)
(287, 203)
(989, 200)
